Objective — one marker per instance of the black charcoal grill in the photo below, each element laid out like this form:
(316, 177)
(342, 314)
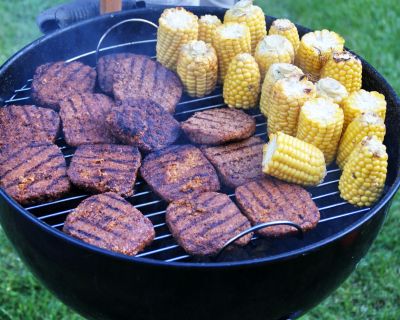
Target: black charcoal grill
(268, 279)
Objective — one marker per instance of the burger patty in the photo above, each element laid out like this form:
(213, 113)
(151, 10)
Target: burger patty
(218, 126)
(179, 171)
(105, 167)
(270, 200)
(34, 172)
(53, 82)
(144, 124)
(110, 222)
(29, 124)
(84, 119)
(202, 224)
(237, 163)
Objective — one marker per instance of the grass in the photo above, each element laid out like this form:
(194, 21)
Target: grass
(373, 290)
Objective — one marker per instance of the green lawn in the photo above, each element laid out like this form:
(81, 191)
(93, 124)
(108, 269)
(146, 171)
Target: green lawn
(371, 28)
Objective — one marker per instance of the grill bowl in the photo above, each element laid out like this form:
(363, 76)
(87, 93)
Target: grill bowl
(274, 278)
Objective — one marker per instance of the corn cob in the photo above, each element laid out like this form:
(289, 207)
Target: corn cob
(276, 72)
(364, 174)
(345, 68)
(207, 25)
(253, 16)
(321, 123)
(287, 97)
(331, 89)
(315, 49)
(242, 82)
(287, 29)
(367, 124)
(229, 40)
(273, 49)
(292, 160)
(362, 101)
(198, 68)
(176, 27)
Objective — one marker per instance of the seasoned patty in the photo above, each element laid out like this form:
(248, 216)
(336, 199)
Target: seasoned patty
(34, 172)
(53, 82)
(105, 167)
(110, 222)
(144, 124)
(204, 223)
(270, 200)
(83, 117)
(237, 163)
(218, 126)
(179, 171)
(28, 124)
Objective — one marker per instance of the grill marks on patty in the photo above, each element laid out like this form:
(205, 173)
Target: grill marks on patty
(202, 224)
(218, 126)
(34, 172)
(110, 222)
(178, 171)
(270, 200)
(28, 123)
(105, 167)
(53, 82)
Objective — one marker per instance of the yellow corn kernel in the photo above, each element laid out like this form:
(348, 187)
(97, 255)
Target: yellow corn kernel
(176, 27)
(207, 25)
(286, 28)
(292, 160)
(253, 16)
(229, 40)
(331, 89)
(321, 124)
(276, 72)
(367, 124)
(287, 97)
(315, 49)
(362, 101)
(273, 49)
(198, 68)
(363, 178)
(242, 82)
(346, 68)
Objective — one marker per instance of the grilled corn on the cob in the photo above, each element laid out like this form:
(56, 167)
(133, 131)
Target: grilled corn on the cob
(292, 160)
(321, 124)
(346, 68)
(364, 174)
(242, 82)
(367, 124)
(198, 68)
(331, 89)
(286, 28)
(253, 16)
(176, 27)
(207, 25)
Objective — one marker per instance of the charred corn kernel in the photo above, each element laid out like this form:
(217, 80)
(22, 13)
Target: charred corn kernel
(176, 27)
(242, 82)
(207, 25)
(276, 72)
(273, 49)
(364, 174)
(292, 160)
(331, 89)
(367, 124)
(362, 101)
(315, 49)
(253, 16)
(345, 68)
(198, 68)
(229, 40)
(287, 97)
(321, 124)
(287, 29)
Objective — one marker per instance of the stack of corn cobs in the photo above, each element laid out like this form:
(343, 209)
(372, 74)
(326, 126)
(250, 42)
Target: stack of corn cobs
(309, 89)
